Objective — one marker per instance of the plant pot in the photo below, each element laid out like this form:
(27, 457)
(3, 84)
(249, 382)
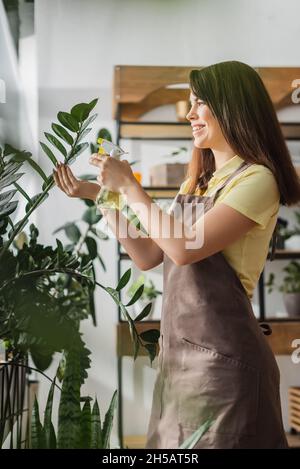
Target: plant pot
(292, 304)
(293, 243)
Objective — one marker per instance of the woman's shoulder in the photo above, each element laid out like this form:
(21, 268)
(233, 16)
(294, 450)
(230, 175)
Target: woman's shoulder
(258, 175)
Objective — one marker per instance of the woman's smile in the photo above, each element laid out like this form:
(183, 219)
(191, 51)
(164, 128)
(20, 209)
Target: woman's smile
(197, 129)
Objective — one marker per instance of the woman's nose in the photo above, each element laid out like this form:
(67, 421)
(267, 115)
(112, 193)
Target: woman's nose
(191, 114)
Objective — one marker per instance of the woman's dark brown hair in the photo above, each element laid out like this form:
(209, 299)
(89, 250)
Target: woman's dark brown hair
(238, 99)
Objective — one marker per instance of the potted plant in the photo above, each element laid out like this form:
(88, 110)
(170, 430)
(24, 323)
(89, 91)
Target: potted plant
(290, 288)
(289, 238)
(150, 293)
(45, 291)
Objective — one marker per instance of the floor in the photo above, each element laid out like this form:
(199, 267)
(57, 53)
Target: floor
(138, 441)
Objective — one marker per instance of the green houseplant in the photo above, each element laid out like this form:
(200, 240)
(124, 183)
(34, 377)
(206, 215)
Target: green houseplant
(45, 291)
(290, 288)
(150, 293)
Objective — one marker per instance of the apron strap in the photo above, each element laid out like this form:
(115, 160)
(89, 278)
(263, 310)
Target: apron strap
(244, 165)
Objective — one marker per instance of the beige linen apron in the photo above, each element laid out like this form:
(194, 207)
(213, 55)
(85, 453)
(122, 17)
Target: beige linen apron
(214, 360)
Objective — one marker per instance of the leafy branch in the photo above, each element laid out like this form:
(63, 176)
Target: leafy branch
(77, 122)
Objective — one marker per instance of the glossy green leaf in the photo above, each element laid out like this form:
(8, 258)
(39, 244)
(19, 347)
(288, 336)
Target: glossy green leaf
(7, 209)
(144, 313)
(91, 245)
(83, 134)
(151, 348)
(24, 193)
(96, 430)
(108, 422)
(49, 153)
(37, 433)
(6, 197)
(48, 426)
(80, 148)
(69, 412)
(88, 122)
(34, 200)
(124, 280)
(52, 139)
(41, 358)
(10, 179)
(62, 133)
(152, 336)
(72, 232)
(80, 111)
(92, 104)
(86, 425)
(136, 295)
(68, 121)
(104, 133)
(91, 216)
(191, 441)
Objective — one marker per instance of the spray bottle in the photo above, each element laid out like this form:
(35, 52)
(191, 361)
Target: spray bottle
(105, 197)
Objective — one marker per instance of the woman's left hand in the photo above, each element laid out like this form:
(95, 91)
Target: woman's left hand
(114, 174)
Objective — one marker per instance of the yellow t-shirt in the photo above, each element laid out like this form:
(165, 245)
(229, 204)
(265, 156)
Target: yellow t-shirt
(253, 192)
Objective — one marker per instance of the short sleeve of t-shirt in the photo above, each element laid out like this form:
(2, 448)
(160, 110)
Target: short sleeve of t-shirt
(254, 193)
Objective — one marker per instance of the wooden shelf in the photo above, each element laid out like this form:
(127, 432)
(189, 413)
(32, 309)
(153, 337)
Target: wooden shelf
(139, 88)
(283, 333)
(124, 342)
(156, 130)
(291, 130)
(182, 130)
(286, 254)
(163, 192)
(134, 442)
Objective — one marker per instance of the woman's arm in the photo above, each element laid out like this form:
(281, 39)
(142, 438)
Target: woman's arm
(214, 231)
(183, 244)
(144, 252)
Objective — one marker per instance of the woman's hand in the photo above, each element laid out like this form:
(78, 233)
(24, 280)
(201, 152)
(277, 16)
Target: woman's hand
(114, 174)
(73, 187)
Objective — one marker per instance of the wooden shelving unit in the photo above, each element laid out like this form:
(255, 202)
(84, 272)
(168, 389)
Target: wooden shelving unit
(139, 89)
(283, 333)
(181, 130)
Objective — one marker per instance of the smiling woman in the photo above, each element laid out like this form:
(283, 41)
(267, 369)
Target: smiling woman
(214, 363)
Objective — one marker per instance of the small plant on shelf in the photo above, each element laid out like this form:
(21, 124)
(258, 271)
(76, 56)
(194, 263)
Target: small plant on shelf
(150, 293)
(290, 287)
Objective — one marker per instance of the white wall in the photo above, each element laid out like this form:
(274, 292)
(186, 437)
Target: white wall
(79, 42)
(18, 114)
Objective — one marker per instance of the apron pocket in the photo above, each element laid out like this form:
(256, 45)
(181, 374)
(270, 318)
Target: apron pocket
(213, 386)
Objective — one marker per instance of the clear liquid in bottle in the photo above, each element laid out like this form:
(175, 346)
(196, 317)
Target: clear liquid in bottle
(105, 197)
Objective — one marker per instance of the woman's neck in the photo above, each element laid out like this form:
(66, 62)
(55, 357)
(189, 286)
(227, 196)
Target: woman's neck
(222, 156)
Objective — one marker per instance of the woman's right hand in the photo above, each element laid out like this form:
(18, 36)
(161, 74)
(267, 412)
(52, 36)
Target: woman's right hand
(73, 187)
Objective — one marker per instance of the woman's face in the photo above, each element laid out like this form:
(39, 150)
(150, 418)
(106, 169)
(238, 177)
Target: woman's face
(206, 129)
